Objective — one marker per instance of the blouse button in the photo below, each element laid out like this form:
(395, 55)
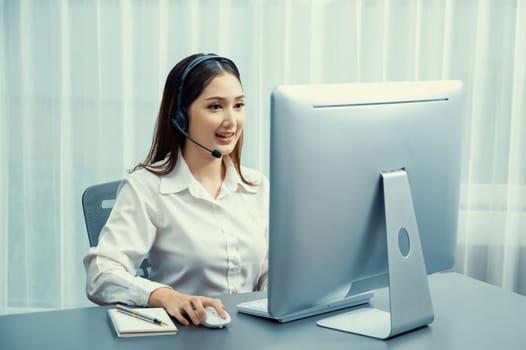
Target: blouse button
(234, 291)
(235, 261)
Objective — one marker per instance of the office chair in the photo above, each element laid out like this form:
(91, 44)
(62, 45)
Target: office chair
(97, 203)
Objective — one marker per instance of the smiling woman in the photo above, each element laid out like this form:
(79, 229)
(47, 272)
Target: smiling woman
(217, 115)
(164, 206)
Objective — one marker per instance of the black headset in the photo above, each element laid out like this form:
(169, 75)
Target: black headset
(180, 120)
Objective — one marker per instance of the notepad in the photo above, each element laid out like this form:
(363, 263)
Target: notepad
(127, 326)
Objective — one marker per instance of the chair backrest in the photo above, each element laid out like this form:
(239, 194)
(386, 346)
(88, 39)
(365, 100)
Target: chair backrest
(97, 203)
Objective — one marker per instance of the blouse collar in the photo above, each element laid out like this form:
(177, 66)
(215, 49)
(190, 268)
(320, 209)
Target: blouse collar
(181, 178)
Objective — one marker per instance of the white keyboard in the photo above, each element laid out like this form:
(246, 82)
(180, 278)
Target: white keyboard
(256, 305)
(259, 307)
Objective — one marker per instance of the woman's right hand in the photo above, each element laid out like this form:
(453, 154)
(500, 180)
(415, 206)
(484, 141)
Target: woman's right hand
(181, 305)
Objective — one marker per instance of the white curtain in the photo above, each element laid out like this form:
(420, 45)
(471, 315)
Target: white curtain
(81, 83)
(492, 228)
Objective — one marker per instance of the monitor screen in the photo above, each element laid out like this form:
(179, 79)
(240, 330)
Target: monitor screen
(330, 143)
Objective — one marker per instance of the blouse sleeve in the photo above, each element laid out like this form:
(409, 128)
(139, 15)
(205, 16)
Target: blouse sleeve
(123, 243)
(262, 282)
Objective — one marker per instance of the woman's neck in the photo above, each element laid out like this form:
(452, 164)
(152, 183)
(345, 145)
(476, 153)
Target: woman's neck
(208, 171)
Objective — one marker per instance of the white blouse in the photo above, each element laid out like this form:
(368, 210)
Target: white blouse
(198, 245)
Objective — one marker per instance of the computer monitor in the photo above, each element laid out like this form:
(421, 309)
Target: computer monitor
(336, 151)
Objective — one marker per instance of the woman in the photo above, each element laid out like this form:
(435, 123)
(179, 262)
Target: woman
(201, 216)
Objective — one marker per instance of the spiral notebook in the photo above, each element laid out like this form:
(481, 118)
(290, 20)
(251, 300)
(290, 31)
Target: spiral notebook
(128, 326)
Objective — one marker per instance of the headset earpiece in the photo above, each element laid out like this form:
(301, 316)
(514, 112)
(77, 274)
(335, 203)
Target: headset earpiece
(180, 119)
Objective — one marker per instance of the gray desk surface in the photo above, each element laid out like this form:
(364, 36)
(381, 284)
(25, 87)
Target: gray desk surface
(468, 315)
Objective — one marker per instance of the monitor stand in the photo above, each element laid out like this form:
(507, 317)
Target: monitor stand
(409, 299)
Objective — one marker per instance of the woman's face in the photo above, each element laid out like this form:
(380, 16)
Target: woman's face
(217, 116)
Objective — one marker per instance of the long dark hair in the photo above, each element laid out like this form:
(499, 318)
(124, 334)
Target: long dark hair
(167, 141)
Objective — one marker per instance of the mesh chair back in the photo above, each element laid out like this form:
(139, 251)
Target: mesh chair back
(97, 203)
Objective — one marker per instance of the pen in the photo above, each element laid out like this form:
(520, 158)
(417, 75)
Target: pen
(141, 316)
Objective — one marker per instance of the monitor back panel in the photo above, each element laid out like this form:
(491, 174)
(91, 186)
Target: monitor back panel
(329, 144)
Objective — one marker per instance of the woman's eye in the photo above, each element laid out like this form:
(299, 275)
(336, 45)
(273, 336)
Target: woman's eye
(239, 105)
(215, 106)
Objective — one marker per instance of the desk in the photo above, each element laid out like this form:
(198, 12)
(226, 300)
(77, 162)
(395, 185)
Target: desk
(469, 314)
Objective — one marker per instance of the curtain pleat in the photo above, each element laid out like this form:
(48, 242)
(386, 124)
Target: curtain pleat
(4, 255)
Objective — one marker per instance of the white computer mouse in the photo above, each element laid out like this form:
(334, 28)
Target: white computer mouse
(213, 320)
